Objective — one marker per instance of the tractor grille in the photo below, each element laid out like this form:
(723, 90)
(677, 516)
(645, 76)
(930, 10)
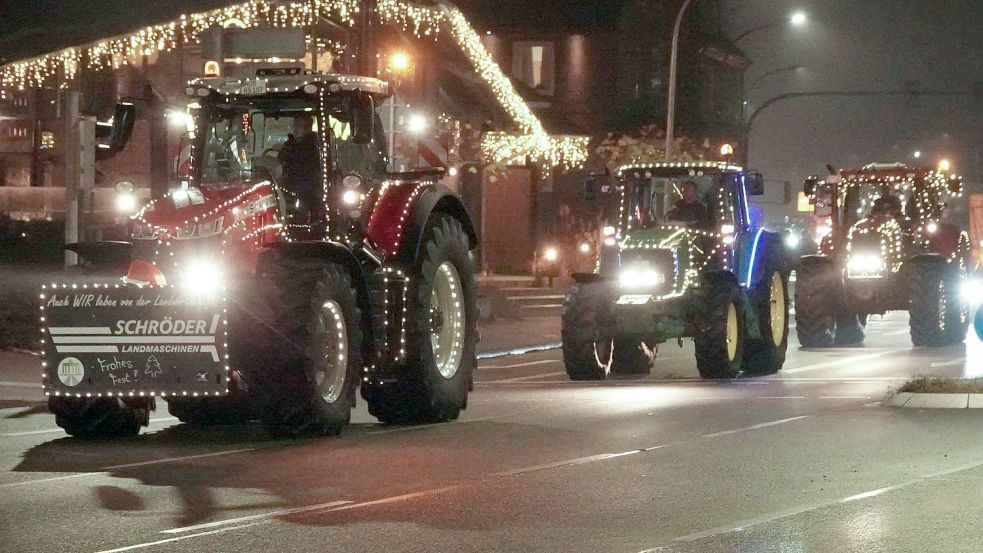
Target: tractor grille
(660, 259)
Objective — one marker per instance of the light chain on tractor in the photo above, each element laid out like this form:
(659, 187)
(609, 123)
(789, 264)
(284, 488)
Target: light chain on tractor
(887, 245)
(681, 257)
(287, 268)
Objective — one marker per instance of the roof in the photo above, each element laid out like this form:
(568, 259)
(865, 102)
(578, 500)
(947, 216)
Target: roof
(541, 16)
(673, 167)
(289, 83)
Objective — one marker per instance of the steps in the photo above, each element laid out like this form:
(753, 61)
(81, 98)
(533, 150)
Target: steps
(516, 297)
(536, 302)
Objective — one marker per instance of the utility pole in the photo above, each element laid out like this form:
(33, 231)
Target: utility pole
(673, 58)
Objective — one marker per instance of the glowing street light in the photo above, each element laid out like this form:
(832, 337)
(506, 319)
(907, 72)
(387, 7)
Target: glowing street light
(945, 166)
(798, 18)
(416, 123)
(917, 154)
(399, 62)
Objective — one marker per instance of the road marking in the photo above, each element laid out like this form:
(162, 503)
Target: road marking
(844, 397)
(178, 459)
(260, 516)
(423, 426)
(577, 461)
(782, 397)
(179, 538)
(52, 479)
(777, 515)
(754, 427)
(524, 378)
(845, 361)
(949, 363)
(10, 384)
(52, 430)
(519, 351)
(526, 364)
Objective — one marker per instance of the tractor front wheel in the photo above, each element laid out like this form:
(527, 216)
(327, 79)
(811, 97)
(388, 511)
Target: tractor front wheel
(815, 304)
(937, 316)
(720, 334)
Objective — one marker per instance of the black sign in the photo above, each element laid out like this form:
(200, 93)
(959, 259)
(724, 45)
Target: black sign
(119, 339)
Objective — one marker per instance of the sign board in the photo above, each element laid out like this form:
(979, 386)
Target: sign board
(123, 339)
(803, 203)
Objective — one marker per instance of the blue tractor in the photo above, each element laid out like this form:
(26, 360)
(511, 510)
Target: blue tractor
(682, 258)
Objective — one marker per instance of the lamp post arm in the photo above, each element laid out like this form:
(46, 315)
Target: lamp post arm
(673, 57)
(752, 30)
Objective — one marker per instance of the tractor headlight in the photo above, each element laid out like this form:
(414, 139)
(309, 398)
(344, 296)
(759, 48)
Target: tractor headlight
(201, 277)
(640, 277)
(792, 240)
(869, 265)
(971, 291)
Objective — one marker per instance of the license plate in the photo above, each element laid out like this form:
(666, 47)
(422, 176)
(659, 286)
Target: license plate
(635, 299)
(133, 340)
(253, 87)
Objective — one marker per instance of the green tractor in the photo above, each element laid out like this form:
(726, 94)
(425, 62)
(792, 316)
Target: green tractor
(682, 259)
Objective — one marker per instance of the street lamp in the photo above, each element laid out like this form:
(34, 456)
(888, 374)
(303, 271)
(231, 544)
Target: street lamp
(416, 123)
(797, 19)
(399, 62)
(673, 56)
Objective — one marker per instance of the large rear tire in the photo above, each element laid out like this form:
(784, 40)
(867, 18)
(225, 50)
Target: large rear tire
(815, 305)
(442, 333)
(937, 315)
(720, 337)
(584, 331)
(101, 417)
(302, 355)
(770, 301)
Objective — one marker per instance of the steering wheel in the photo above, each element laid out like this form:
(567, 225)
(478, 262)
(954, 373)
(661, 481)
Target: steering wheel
(268, 150)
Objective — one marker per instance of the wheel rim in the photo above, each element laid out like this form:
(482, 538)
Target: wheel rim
(331, 375)
(777, 309)
(447, 320)
(731, 332)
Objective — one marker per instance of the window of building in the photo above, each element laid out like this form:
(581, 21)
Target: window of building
(533, 63)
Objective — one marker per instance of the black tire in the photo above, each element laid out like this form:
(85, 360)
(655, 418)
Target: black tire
(630, 358)
(816, 289)
(766, 356)
(283, 350)
(584, 331)
(421, 394)
(937, 316)
(231, 409)
(101, 417)
(711, 317)
(850, 328)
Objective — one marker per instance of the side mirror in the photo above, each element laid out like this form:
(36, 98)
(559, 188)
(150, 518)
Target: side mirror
(755, 184)
(590, 189)
(111, 138)
(363, 120)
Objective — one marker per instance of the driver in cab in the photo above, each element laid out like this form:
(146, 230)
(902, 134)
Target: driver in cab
(688, 209)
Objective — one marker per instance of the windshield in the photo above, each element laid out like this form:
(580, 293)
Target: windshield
(865, 199)
(681, 199)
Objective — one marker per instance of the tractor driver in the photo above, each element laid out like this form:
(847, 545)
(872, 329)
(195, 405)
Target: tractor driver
(688, 209)
(301, 163)
(886, 207)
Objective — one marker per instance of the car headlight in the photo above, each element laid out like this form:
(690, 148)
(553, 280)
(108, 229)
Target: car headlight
(866, 264)
(640, 277)
(201, 277)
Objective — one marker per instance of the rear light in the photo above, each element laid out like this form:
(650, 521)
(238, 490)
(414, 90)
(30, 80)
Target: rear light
(141, 272)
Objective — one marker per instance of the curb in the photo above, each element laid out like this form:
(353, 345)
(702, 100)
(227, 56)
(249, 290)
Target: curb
(521, 351)
(937, 401)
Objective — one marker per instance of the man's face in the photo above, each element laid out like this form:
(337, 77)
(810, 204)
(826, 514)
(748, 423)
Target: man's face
(302, 125)
(689, 192)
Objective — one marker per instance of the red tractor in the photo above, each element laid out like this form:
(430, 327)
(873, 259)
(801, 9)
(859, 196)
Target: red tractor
(885, 245)
(287, 269)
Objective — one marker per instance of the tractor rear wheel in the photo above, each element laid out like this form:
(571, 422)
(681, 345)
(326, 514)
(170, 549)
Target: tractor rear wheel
(442, 333)
(815, 304)
(302, 355)
(101, 417)
(720, 334)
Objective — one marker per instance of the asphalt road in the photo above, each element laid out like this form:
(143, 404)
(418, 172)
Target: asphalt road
(806, 460)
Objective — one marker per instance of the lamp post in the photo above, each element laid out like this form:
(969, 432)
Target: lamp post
(780, 70)
(673, 56)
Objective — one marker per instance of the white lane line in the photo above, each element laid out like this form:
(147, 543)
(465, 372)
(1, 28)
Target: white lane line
(524, 378)
(259, 516)
(526, 364)
(179, 459)
(754, 427)
(852, 360)
(844, 397)
(782, 397)
(9, 384)
(771, 517)
(179, 538)
(53, 430)
(52, 479)
(949, 363)
(577, 461)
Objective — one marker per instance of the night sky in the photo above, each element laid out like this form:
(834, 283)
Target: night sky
(865, 45)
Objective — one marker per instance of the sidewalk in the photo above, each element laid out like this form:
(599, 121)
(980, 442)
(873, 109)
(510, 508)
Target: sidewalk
(505, 335)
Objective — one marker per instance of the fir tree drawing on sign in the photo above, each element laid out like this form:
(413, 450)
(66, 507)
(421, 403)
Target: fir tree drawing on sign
(153, 367)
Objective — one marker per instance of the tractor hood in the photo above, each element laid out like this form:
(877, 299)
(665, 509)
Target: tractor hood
(198, 212)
